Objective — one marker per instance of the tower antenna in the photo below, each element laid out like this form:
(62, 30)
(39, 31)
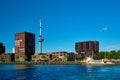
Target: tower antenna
(40, 38)
(40, 27)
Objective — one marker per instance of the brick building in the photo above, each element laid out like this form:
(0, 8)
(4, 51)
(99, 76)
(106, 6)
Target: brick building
(64, 56)
(2, 48)
(8, 57)
(39, 57)
(87, 48)
(54, 56)
(24, 46)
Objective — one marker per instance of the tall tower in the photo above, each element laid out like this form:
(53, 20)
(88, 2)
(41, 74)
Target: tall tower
(40, 38)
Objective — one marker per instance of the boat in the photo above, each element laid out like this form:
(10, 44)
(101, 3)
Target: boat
(91, 61)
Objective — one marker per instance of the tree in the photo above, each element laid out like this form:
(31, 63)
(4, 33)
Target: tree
(66, 57)
(34, 56)
(16, 57)
(43, 57)
(1, 58)
(25, 57)
(95, 56)
(59, 59)
(109, 55)
(54, 56)
(9, 57)
(118, 54)
(101, 55)
(79, 56)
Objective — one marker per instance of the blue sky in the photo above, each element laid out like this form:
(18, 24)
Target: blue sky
(64, 22)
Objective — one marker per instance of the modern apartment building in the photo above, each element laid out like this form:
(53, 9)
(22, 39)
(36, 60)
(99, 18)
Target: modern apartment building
(2, 48)
(87, 48)
(24, 46)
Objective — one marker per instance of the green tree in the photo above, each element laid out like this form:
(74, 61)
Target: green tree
(106, 54)
(118, 54)
(109, 55)
(114, 54)
(101, 55)
(95, 56)
(16, 57)
(59, 59)
(43, 57)
(1, 58)
(9, 57)
(79, 56)
(66, 57)
(54, 56)
(24, 57)
(34, 56)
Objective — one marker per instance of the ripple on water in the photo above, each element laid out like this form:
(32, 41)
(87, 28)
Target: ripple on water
(59, 72)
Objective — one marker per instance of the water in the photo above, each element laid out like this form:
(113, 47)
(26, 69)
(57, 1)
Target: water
(59, 72)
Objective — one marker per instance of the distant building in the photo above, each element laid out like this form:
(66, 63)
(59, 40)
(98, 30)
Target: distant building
(54, 56)
(71, 56)
(38, 57)
(24, 46)
(59, 55)
(63, 56)
(7, 57)
(87, 48)
(2, 48)
(12, 57)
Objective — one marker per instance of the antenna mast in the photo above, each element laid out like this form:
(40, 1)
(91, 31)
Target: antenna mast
(40, 27)
(40, 38)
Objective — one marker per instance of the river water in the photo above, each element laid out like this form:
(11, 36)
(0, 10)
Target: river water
(59, 72)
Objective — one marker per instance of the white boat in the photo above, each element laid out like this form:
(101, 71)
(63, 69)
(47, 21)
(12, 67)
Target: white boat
(90, 61)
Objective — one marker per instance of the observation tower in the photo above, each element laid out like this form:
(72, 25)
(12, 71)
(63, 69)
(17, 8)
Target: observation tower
(40, 40)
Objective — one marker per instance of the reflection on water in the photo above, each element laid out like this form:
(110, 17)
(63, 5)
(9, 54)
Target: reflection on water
(89, 68)
(6, 67)
(24, 71)
(23, 66)
(20, 67)
(59, 72)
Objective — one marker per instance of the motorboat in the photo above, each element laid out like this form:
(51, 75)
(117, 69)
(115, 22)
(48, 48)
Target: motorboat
(91, 61)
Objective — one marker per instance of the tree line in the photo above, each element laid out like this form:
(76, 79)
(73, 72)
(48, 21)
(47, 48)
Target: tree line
(103, 54)
(108, 54)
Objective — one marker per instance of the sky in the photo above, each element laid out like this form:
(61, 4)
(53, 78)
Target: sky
(64, 22)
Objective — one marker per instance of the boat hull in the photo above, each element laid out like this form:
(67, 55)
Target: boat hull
(97, 63)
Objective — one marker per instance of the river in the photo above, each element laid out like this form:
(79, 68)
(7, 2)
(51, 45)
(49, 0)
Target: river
(59, 72)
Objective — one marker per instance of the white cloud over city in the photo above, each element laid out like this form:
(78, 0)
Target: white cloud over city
(104, 29)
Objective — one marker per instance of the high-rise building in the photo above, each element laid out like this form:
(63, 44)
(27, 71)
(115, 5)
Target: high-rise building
(87, 48)
(2, 48)
(24, 45)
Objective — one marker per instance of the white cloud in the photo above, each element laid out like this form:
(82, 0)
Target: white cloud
(104, 29)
